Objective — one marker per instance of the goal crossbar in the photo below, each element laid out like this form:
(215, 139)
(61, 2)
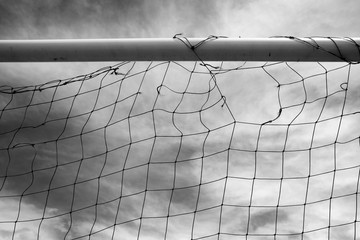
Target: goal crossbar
(172, 49)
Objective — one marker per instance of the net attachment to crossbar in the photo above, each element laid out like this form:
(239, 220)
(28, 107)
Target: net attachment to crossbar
(185, 150)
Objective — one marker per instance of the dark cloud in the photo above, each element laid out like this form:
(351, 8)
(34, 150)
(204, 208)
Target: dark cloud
(104, 19)
(264, 218)
(66, 19)
(5, 234)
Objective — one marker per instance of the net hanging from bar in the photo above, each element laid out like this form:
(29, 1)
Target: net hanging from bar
(184, 150)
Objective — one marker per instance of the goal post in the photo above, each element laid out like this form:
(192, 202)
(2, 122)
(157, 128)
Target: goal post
(162, 49)
(183, 138)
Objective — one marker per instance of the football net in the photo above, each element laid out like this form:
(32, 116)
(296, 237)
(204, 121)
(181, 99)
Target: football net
(185, 150)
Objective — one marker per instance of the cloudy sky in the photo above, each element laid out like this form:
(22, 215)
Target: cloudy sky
(163, 150)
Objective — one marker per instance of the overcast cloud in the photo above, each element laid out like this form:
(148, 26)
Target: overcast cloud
(151, 187)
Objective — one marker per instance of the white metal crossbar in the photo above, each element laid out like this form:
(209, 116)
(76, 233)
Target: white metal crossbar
(163, 49)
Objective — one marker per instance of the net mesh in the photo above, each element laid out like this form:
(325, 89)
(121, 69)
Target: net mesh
(183, 150)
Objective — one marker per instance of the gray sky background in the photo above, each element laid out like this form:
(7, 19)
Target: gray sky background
(113, 19)
(251, 96)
